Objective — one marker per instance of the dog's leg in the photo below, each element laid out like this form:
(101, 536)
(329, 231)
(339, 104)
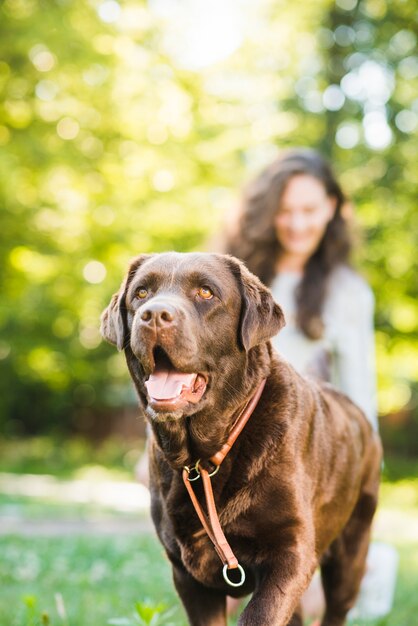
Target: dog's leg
(204, 606)
(279, 589)
(343, 569)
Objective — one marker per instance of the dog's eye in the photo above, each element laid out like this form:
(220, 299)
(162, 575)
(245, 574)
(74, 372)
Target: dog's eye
(205, 293)
(141, 293)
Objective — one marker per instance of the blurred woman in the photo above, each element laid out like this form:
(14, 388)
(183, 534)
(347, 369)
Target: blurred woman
(292, 233)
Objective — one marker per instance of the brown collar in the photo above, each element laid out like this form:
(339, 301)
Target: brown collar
(210, 522)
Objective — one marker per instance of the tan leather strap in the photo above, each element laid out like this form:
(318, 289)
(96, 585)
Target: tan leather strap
(212, 525)
(239, 424)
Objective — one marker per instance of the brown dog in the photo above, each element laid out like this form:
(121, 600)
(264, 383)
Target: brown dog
(298, 488)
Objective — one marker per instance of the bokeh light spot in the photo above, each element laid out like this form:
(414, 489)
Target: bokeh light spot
(406, 121)
(109, 11)
(347, 135)
(333, 98)
(408, 67)
(94, 272)
(346, 5)
(344, 35)
(90, 337)
(46, 90)
(163, 180)
(42, 58)
(68, 128)
(377, 132)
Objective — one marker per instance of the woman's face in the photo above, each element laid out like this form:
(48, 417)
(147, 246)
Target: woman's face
(304, 212)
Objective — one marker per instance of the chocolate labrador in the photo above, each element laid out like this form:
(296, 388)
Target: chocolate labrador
(298, 488)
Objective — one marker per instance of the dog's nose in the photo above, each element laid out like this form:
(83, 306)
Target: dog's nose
(158, 314)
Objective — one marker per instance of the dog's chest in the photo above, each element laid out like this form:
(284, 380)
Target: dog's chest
(197, 552)
(200, 559)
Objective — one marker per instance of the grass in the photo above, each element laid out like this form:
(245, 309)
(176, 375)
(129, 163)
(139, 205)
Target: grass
(94, 581)
(81, 581)
(125, 580)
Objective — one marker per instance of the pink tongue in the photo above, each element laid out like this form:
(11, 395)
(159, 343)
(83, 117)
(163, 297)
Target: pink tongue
(168, 384)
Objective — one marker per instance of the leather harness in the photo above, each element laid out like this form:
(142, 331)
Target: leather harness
(210, 522)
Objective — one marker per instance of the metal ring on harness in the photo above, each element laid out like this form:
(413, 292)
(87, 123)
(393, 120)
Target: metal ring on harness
(225, 575)
(193, 469)
(215, 471)
(196, 469)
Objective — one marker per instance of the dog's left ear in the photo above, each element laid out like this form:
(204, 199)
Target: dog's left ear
(261, 316)
(113, 326)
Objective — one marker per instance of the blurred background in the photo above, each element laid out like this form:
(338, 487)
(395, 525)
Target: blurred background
(131, 127)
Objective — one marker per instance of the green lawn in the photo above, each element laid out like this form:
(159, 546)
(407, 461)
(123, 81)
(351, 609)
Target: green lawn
(92, 581)
(95, 580)
(89, 580)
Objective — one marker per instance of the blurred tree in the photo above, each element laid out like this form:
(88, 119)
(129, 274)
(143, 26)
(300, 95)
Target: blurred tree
(129, 127)
(371, 97)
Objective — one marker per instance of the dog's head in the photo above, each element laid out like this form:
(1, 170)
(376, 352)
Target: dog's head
(187, 323)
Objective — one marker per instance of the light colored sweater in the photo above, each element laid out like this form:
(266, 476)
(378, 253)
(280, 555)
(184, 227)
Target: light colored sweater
(345, 355)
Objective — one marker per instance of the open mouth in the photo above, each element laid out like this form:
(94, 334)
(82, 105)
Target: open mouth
(171, 389)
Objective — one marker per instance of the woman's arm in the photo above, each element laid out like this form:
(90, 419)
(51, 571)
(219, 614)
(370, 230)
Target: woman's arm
(354, 367)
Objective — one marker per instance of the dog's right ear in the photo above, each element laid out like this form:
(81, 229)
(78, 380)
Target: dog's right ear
(113, 323)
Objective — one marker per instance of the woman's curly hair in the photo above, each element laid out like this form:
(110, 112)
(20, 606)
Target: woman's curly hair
(253, 236)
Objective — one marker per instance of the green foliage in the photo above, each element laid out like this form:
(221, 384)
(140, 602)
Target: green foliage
(114, 144)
